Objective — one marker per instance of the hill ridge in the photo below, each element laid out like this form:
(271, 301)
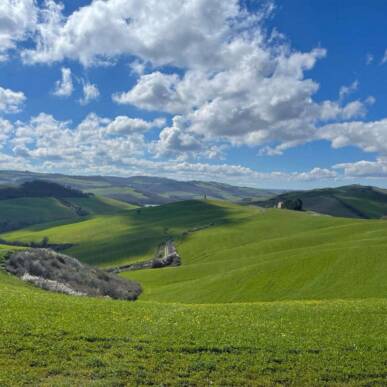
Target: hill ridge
(353, 201)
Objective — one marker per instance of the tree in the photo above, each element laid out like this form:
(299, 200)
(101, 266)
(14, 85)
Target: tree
(44, 242)
(295, 205)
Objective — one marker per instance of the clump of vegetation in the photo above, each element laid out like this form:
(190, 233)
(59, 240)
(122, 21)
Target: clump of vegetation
(295, 205)
(58, 272)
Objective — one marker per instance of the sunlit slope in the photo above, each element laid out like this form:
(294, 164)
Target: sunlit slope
(115, 238)
(240, 254)
(275, 255)
(245, 255)
(51, 339)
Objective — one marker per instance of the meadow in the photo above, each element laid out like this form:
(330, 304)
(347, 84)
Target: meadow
(240, 254)
(53, 339)
(263, 297)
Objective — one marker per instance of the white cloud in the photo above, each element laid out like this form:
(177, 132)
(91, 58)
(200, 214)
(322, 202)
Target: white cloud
(46, 144)
(229, 83)
(234, 83)
(95, 138)
(5, 130)
(17, 21)
(259, 97)
(126, 125)
(384, 59)
(345, 91)
(11, 101)
(369, 136)
(369, 59)
(316, 174)
(137, 67)
(154, 91)
(365, 168)
(90, 93)
(174, 141)
(64, 87)
(174, 32)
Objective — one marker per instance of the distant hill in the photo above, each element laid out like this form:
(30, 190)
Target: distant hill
(352, 201)
(39, 189)
(143, 190)
(36, 202)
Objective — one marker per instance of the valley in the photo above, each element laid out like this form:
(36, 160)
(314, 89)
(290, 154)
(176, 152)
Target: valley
(261, 297)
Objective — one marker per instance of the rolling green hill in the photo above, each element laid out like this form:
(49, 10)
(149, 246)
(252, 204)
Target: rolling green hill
(22, 212)
(353, 201)
(263, 297)
(245, 254)
(143, 190)
(51, 339)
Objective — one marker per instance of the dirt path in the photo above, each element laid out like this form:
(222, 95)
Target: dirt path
(170, 258)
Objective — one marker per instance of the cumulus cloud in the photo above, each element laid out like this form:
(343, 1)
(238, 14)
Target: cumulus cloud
(126, 125)
(90, 93)
(64, 87)
(224, 79)
(18, 19)
(365, 168)
(255, 95)
(261, 98)
(175, 142)
(45, 138)
(154, 91)
(44, 143)
(170, 32)
(369, 136)
(234, 82)
(316, 174)
(11, 101)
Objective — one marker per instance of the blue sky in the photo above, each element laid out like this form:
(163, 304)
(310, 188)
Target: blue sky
(270, 94)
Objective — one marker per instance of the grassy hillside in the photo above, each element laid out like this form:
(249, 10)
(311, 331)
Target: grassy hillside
(354, 201)
(245, 254)
(127, 235)
(22, 212)
(275, 255)
(52, 339)
(17, 213)
(324, 325)
(143, 189)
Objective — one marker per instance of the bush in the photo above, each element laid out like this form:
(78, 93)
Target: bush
(295, 205)
(72, 274)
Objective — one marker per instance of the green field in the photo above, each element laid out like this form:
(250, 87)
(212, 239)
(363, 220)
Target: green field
(23, 212)
(263, 297)
(26, 211)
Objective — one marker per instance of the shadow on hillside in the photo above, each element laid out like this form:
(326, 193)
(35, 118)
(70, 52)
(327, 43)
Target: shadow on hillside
(148, 227)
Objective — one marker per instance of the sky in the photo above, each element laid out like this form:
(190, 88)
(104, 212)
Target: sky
(269, 94)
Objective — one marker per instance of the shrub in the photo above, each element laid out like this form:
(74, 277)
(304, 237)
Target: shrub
(71, 274)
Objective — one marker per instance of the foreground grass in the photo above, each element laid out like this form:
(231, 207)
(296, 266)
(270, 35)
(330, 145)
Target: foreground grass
(52, 339)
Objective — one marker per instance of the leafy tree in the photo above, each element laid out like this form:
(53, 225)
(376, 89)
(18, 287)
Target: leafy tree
(44, 242)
